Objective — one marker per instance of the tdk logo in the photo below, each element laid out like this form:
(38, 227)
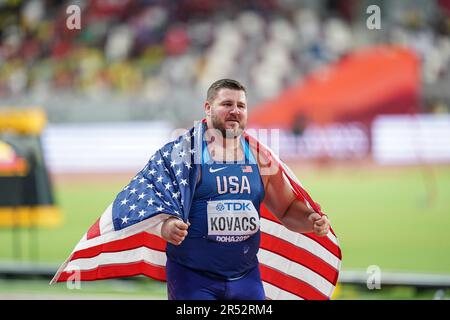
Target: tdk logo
(220, 207)
(233, 206)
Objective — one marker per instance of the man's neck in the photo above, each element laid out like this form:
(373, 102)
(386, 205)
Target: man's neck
(225, 149)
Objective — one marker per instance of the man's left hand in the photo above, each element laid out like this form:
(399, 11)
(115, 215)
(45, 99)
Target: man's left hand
(321, 224)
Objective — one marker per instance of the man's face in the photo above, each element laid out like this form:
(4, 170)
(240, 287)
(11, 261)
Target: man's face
(228, 112)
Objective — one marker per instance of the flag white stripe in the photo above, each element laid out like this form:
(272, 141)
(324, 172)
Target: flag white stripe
(275, 293)
(128, 256)
(106, 224)
(149, 225)
(333, 238)
(299, 240)
(296, 270)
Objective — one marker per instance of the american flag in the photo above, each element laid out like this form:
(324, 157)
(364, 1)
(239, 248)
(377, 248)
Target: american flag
(247, 169)
(123, 242)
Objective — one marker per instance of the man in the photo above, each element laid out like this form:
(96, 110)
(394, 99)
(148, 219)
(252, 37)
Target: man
(208, 261)
(220, 199)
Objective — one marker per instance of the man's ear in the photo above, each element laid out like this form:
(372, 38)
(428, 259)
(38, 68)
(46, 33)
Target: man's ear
(207, 107)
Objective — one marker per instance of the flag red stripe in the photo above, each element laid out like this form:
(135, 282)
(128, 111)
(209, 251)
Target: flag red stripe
(323, 241)
(299, 255)
(94, 230)
(142, 239)
(268, 242)
(290, 284)
(274, 277)
(265, 213)
(278, 279)
(116, 270)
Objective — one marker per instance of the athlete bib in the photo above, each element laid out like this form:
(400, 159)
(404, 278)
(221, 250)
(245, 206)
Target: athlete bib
(231, 220)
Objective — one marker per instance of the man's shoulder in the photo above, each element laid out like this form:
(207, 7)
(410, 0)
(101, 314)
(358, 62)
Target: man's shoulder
(263, 159)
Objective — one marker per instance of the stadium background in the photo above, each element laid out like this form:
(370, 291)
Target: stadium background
(362, 117)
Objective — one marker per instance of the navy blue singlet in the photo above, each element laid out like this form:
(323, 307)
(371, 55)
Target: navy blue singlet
(223, 238)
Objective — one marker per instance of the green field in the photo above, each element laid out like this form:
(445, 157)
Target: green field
(395, 218)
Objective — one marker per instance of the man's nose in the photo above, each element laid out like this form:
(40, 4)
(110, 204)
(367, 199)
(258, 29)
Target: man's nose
(235, 110)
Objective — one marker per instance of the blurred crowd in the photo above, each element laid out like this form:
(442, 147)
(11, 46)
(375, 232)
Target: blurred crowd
(155, 58)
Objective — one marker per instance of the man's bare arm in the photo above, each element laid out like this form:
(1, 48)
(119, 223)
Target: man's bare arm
(293, 213)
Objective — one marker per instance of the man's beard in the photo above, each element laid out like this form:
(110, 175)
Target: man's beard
(227, 133)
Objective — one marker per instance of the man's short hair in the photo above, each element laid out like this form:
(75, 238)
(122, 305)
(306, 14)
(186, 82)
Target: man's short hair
(223, 84)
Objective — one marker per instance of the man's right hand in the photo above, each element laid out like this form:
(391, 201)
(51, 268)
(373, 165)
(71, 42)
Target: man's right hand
(174, 231)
